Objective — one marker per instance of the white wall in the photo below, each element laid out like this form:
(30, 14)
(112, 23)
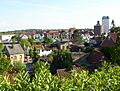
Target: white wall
(6, 37)
(17, 57)
(44, 52)
(105, 23)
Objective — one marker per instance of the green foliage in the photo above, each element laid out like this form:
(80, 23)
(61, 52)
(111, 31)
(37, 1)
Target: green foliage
(39, 42)
(1, 49)
(115, 29)
(4, 65)
(1, 46)
(14, 38)
(4, 84)
(31, 53)
(77, 39)
(88, 49)
(19, 66)
(106, 78)
(24, 42)
(31, 41)
(43, 80)
(112, 54)
(62, 59)
(21, 82)
(48, 41)
(34, 53)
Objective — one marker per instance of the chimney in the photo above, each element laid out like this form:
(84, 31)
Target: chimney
(98, 23)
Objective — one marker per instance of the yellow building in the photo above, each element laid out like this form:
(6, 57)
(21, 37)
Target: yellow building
(14, 52)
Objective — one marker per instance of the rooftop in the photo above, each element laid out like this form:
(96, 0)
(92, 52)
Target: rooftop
(14, 49)
(105, 17)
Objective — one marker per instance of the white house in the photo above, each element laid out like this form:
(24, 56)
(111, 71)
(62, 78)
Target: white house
(42, 51)
(6, 38)
(23, 36)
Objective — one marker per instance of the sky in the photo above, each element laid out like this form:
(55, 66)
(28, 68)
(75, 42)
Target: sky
(56, 14)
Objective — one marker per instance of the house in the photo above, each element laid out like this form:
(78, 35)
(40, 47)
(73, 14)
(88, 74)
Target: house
(64, 45)
(6, 38)
(96, 57)
(110, 40)
(55, 35)
(75, 48)
(87, 36)
(14, 52)
(71, 33)
(38, 36)
(23, 36)
(64, 35)
(43, 51)
(93, 41)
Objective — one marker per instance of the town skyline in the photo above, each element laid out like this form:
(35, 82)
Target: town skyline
(44, 14)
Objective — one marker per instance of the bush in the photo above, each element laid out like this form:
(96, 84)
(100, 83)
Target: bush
(100, 80)
(19, 66)
(4, 64)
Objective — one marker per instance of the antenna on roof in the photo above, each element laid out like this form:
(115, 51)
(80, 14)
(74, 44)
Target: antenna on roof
(113, 23)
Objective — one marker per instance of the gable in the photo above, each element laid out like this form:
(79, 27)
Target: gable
(108, 42)
(14, 49)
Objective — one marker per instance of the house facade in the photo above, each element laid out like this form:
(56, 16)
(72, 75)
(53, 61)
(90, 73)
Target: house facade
(23, 36)
(64, 45)
(42, 51)
(6, 38)
(110, 40)
(14, 52)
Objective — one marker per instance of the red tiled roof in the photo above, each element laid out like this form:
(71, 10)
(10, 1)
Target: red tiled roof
(38, 47)
(52, 33)
(107, 43)
(113, 36)
(110, 40)
(95, 57)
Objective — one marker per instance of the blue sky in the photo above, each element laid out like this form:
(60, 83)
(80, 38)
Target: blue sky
(42, 14)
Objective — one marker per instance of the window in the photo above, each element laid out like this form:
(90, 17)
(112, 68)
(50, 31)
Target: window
(11, 57)
(67, 46)
(63, 47)
(20, 57)
(15, 57)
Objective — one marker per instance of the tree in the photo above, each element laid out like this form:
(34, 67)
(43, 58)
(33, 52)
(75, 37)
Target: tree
(19, 66)
(4, 65)
(24, 42)
(39, 42)
(77, 39)
(31, 41)
(13, 39)
(35, 53)
(62, 59)
(31, 53)
(112, 54)
(1, 46)
(115, 29)
(48, 41)
(106, 78)
(1, 49)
